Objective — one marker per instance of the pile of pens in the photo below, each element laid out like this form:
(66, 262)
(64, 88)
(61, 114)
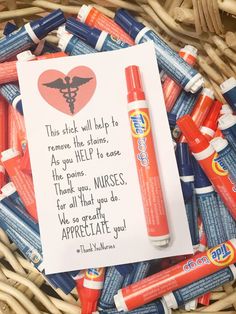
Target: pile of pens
(204, 137)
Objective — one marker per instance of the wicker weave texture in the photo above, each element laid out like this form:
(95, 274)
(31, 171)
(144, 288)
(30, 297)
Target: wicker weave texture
(209, 25)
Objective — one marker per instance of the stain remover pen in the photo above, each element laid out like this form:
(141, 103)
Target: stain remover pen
(100, 40)
(176, 277)
(29, 35)
(167, 58)
(150, 185)
(205, 154)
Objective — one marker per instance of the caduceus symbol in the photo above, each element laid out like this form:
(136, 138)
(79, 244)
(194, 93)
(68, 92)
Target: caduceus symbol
(69, 88)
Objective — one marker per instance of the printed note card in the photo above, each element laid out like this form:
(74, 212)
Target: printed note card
(83, 163)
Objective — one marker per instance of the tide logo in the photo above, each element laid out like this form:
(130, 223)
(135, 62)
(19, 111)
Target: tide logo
(140, 124)
(115, 39)
(222, 255)
(218, 166)
(93, 273)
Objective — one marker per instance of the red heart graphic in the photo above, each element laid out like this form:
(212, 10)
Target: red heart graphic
(68, 93)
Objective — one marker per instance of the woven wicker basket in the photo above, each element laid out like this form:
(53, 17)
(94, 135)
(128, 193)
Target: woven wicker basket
(209, 25)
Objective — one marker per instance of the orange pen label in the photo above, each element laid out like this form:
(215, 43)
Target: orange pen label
(92, 17)
(218, 166)
(102, 22)
(221, 255)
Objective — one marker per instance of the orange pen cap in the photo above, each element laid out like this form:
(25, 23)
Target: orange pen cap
(196, 140)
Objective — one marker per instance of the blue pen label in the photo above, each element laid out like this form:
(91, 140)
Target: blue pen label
(113, 282)
(184, 104)
(211, 218)
(15, 43)
(49, 48)
(9, 91)
(169, 60)
(25, 247)
(229, 224)
(77, 47)
(112, 43)
(230, 97)
(189, 211)
(16, 206)
(16, 224)
(140, 271)
(230, 135)
(202, 286)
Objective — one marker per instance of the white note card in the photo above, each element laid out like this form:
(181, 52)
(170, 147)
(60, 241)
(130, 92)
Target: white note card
(83, 163)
